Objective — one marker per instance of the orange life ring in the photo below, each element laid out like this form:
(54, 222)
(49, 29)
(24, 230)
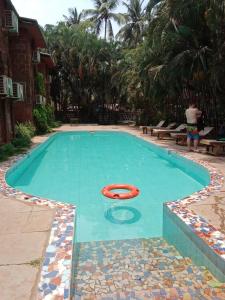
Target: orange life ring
(133, 191)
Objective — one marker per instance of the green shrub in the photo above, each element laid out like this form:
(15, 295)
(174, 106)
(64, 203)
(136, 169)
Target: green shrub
(22, 130)
(40, 120)
(21, 142)
(6, 151)
(31, 128)
(44, 118)
(3, 155)
(50, 115)
(24, 133)
(40, 83)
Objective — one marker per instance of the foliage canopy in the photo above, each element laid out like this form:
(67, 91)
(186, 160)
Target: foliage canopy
(165, 54)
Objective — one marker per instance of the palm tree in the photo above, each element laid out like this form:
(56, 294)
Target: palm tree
(132, 32)
(103, 13)
(73, 18)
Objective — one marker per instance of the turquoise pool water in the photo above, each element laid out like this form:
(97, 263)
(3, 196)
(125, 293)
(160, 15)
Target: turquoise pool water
(73, 167)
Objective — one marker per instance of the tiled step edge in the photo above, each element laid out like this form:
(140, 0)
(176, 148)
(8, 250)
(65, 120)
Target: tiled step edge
(193, 245)
(192, 277)
(159, 294)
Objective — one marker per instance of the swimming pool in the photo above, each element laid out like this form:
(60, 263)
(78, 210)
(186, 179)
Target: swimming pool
(73, 167)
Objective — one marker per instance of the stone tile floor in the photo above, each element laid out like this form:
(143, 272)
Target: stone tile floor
(24, 234)
(139, 269)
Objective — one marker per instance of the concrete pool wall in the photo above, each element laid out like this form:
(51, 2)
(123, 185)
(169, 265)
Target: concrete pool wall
(57, 265)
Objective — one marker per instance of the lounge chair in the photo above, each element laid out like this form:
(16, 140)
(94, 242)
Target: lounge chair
(161, 133)
(182, 137)
(168, 127)
(214, 147)
(146, 128)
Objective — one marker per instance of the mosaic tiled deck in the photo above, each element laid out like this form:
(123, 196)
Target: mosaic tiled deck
(139, 269)
(56, 271)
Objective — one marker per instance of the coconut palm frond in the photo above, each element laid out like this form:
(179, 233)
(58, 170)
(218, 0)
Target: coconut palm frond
(104, 11)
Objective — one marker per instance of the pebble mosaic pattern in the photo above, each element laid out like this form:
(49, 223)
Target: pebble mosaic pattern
(56, 271)
(199, 225)
(139, 268)
(213, 238)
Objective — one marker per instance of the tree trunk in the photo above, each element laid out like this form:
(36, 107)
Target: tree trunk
(105, 27)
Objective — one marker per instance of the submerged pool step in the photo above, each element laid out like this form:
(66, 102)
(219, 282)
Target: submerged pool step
(161, 294)
(104, 268)
(144, 247)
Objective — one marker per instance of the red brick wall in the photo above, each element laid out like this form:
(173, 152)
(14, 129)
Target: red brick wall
(21, 52)
(2, 122)
(6, 118)
(16, 52)
(23, 112)
(4, 47)
(21, 58)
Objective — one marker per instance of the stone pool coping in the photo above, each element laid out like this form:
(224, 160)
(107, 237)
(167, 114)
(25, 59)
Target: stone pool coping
(57, 265)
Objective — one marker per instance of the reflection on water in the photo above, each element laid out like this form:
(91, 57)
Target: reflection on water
(122, 215)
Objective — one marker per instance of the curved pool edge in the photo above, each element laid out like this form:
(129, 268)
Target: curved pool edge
(64, 225)
(58, 253)
(207, 240)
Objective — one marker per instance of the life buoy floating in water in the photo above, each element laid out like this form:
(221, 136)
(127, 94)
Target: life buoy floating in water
(133, 191)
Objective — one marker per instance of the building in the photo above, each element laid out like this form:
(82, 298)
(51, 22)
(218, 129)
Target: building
(24, 67)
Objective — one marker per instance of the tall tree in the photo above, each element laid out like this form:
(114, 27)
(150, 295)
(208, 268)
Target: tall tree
(73, 18)
(84, 65)
(132, 33)
(103, 14)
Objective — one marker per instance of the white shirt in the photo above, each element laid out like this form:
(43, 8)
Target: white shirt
(192, 115)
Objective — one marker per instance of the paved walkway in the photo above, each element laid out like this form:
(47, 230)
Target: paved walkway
(24, 234)
(25, 228)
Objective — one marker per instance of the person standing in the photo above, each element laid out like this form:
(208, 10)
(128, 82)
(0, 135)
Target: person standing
(192, 115)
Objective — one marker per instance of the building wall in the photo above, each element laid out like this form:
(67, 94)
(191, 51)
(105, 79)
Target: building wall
(16, 52)
(6, 118)
(21, 52)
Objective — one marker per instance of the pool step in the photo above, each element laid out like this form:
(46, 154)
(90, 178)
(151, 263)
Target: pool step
(161, 294)
(133, 266)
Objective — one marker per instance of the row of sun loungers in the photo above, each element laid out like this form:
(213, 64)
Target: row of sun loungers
(213, 146)
(161, 132)
(150, 129)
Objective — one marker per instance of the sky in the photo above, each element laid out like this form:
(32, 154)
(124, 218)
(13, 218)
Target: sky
(51, 11)
(48, 11)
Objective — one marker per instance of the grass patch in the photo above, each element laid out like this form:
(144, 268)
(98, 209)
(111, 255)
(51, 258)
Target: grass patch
(36, 263)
